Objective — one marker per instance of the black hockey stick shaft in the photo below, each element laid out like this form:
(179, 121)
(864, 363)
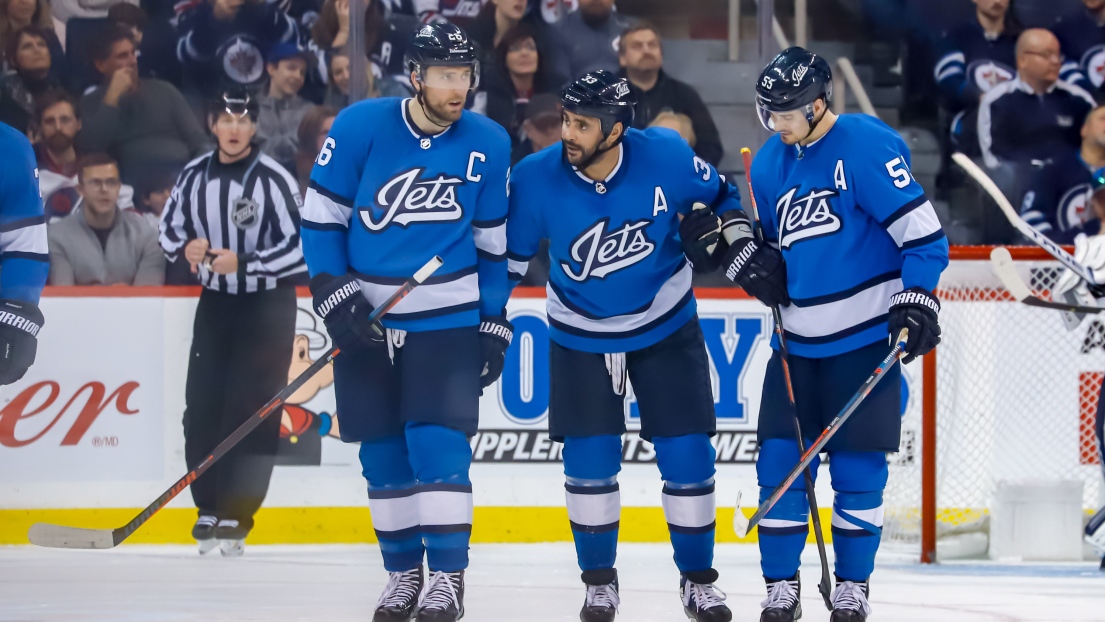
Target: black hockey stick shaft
(826, 435)
(825, 586)
(122, 533)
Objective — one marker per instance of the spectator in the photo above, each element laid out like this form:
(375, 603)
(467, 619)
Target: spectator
(460, 12)
(1035, 116)
(1081, 37)
(1058, 201)
(498, 17)
(518, 73)
(282, 108)
(151, 197)
(28, 55)
(541, 127)
(223, 41)
(386, 38)
(156, 53)
(587, 39)
(65, 9)
(337, 93)
(313, 131)
(144, 123)
(17, 14)
(641, 56)
(977, 56)
(58, 124)
(680, 123)
(101, 244)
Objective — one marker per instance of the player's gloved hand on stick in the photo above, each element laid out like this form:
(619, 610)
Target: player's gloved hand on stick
(917, 310)
(699, 233)
(759, 270)
(344, 310)
(1090, 252)
(496, 334)
(20, 322)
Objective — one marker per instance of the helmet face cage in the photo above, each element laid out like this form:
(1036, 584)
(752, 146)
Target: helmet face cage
(764, 108)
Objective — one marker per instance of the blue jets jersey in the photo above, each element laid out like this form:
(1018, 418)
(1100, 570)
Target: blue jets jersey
(854, 227)
(24, 254)
(618, 279)
(972, 63)
(1058, 201)
(1082, 41)
(384, 198)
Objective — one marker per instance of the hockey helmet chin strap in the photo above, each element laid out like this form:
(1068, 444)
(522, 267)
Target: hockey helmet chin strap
(813, 123)
(422, 104)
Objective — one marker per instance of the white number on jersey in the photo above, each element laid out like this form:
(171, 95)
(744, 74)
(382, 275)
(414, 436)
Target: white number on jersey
(701, 166)
(897, 169)
(325, 154)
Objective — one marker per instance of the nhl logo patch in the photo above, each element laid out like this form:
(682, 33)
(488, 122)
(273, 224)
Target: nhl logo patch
(244, 213)
(425, 143)
(600, 188)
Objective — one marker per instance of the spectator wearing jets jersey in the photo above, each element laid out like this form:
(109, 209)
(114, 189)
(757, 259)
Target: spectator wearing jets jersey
(234, 216)
(1034, 116)
(1058, 200)
(976, 56)
(1082, 38)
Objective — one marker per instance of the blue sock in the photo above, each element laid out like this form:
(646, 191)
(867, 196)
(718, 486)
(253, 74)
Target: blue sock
(687, 466)
(392, 501)
(591, 466)
(441, 457)
(858, 479)
(783, 531)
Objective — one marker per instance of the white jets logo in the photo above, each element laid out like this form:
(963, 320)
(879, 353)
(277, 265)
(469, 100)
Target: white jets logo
(799, 73)
(600, 253)
(806, 217)
(408, 198)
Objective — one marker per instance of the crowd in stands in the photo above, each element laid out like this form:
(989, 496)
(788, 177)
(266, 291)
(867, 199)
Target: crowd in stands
(114, 91)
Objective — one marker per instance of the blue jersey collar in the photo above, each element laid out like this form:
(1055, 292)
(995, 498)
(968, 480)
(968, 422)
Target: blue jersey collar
(424, 139)
(603, 186)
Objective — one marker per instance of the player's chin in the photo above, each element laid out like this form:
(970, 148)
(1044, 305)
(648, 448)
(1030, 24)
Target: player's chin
(788, 138)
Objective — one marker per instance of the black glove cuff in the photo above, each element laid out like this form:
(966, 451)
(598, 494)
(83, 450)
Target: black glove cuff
(321, 286)
(499, 328)
(916, 297)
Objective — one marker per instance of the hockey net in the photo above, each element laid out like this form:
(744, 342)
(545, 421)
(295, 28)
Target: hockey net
(1010, 395)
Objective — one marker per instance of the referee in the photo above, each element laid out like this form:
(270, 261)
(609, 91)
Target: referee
(234, 214)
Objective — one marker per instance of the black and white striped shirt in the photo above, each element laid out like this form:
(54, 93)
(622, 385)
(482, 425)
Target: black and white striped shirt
(250, 207)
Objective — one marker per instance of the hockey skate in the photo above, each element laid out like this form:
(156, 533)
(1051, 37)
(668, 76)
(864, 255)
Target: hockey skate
(204, 533)
(783, 602)
(1095, 534)
(400, 596)
(602, 600)
(231, 537)
(443, 600)
(702, 602)
(850, 602)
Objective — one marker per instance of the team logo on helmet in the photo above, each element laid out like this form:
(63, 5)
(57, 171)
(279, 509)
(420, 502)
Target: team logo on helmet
(601, 253)
(800, 72)
(245, 213)
(409, 198)
(621, 90)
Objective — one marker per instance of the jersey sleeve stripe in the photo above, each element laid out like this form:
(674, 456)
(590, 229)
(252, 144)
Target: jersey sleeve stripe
(21, 223)
(491, 240)
(322, 209)
(44, 257)
(928, 239)
(487, 256)
(516, 269)
(919, 223)
(953, 59)
(903, 210)
(949, 72)
(333, 226)
(27, 239)
(489, 224)
(333, 196)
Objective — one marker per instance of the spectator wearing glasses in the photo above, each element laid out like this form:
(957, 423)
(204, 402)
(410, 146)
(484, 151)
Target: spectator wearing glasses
(101, 244)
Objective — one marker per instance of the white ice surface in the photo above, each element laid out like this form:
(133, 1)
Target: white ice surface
(505, 583)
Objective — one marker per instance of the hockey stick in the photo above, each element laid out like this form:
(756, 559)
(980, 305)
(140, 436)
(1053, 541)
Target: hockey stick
(1037, 238)
(1002, 263)
(743, 525)
(825, 587)
(57, 536)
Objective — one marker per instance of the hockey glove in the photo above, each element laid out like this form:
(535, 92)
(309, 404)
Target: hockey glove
(759, 270)
(496, 334)
(700, 232)
(344, 310)
(20, 322)
(917, 310)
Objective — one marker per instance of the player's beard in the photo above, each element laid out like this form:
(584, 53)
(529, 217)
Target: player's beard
(438, 115)
(585, 157)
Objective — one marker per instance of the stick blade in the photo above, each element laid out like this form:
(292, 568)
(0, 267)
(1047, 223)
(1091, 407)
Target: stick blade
(1002, 263)
(59, 537)
(740, 521)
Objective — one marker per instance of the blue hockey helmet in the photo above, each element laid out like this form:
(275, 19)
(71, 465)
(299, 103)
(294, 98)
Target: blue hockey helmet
(793, 80)
(602, 95)
(441, 44)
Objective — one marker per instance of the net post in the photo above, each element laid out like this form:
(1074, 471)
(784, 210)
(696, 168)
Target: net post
(928, 461)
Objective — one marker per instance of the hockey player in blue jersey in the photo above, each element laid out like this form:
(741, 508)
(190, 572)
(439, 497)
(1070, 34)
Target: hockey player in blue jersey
(24, 256)
(854, 251)
(396, 182)
(616, 207)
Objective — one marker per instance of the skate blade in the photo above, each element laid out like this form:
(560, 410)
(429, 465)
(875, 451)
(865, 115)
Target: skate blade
(232, 548)
(206, 546)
